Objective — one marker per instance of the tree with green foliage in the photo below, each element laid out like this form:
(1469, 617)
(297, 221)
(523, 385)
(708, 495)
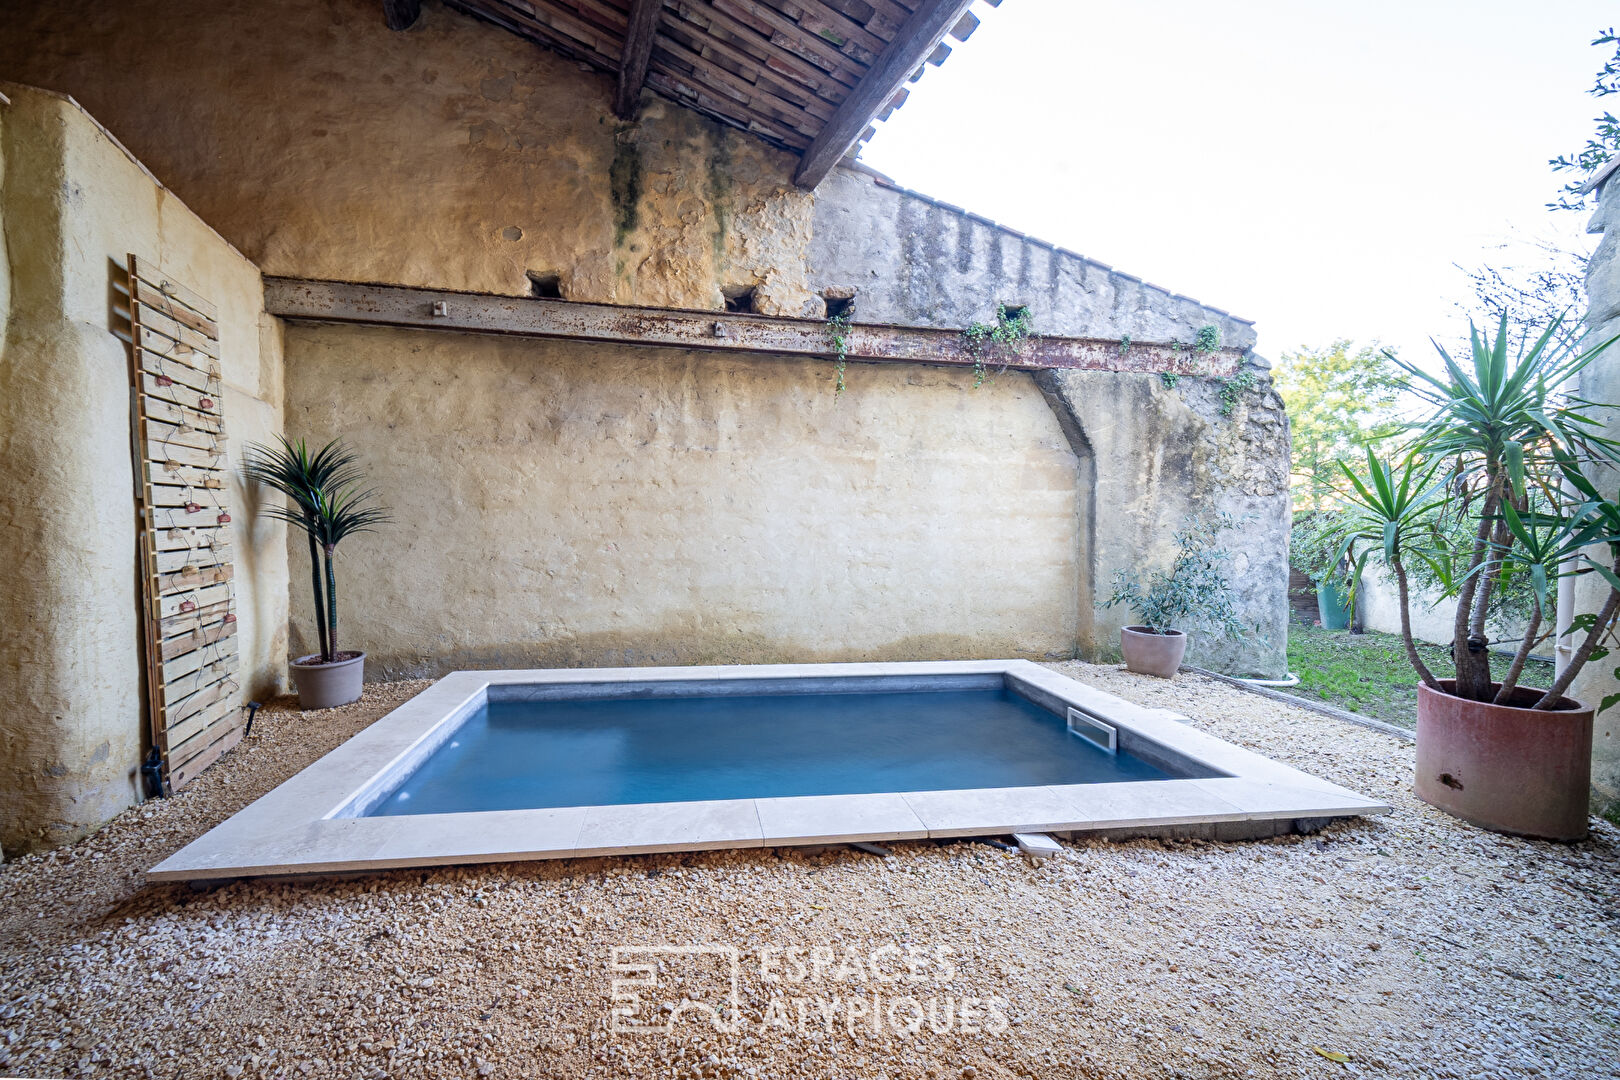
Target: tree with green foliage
(1604, 145)
(1339, 399)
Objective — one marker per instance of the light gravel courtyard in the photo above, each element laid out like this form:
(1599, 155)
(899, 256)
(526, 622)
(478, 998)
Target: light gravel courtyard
(1413, 945)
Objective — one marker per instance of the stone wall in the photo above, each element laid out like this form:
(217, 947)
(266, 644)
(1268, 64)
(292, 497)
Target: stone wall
(914, 260)
(1601, 382)
(456, 155)
(459, 156)
(72, 204)
(1157, 455)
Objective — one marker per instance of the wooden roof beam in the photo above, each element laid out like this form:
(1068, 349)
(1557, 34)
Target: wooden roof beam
(635, 56)
(912, 44)
(401, 14)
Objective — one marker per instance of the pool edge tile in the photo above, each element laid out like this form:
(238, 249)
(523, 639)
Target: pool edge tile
(1266, 798)
(987, 811)
(645, 828)
(1145, 803)
(832, 819)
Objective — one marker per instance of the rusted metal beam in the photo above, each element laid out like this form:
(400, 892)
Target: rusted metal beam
(720, 331)
(910, 46)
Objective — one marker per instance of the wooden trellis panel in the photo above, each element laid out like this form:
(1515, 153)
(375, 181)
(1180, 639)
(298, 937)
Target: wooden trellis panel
(189, 601)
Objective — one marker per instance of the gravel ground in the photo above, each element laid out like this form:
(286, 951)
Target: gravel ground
(1413, 945)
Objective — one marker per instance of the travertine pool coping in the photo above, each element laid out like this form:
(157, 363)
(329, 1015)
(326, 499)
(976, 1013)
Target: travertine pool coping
(312, 823)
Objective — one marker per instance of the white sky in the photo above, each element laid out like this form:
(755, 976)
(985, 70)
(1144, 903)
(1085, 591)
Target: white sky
(1317, 167)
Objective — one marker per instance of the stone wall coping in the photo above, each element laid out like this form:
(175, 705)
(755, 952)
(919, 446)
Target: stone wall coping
(885, 181)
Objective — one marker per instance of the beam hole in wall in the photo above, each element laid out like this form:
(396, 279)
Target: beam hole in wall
(739, 298)
(839, 307)
(1015, 311)
(547, 286)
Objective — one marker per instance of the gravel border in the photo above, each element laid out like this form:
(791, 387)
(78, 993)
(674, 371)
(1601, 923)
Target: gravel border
(1306, 703)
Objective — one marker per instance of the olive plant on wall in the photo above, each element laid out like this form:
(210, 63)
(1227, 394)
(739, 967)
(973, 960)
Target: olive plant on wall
(999, 340)
(838, 325)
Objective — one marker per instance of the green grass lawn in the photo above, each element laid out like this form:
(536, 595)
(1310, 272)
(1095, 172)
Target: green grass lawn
(1369, 674)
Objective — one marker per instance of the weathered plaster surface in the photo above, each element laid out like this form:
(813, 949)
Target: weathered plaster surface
(562, 505)
(1379, 604)
(456, 154)
(1601, 382)
(1159, 455)
(71, 701)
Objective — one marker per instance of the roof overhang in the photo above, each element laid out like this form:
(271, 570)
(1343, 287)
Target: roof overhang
(810, 77)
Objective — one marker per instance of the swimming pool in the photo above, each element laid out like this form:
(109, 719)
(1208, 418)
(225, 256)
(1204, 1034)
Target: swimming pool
(505, 765)
(513, 755)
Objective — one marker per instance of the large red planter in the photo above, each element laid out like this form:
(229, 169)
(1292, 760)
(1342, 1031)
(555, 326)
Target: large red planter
(1509, 769)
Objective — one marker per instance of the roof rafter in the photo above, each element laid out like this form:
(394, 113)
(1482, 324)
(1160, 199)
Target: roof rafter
(911, 46)
(808, 76)
(635, 56)
(401, 14)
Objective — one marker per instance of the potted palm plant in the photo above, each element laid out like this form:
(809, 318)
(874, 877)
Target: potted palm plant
(326, 502)
(1194, 594)
(1504, 451)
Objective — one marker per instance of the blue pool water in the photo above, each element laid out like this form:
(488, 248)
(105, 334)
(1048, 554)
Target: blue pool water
(531, 754)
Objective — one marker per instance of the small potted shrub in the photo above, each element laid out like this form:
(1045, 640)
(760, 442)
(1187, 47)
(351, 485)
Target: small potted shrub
(1501, 461)
(1194, 594)
(327, 502)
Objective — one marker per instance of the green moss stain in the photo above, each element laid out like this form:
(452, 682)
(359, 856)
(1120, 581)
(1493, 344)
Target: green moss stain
(625, 180)
(720, 194)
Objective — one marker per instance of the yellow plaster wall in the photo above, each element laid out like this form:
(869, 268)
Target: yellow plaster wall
(566, 504)
(73, 203)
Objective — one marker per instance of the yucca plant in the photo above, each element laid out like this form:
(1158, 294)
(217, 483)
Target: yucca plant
(327, 503)
(1502, 450)
(1383, 512)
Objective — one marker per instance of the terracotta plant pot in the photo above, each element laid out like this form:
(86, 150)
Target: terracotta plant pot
(326, 686)
(1147, 653)
(1507, 768)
